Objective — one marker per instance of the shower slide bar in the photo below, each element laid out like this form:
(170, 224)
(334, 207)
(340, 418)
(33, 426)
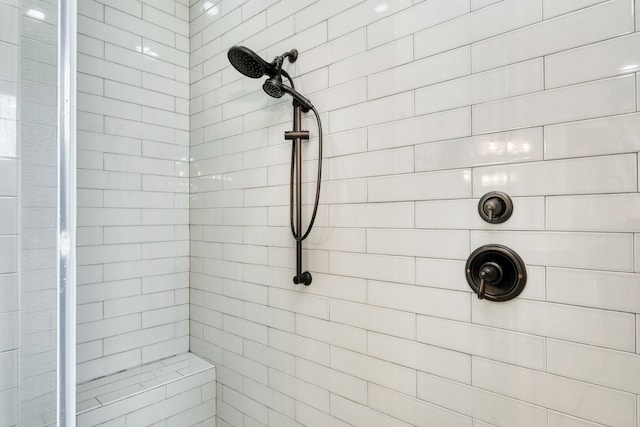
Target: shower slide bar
(252, 65)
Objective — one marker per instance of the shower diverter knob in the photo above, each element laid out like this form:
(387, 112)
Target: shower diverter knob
(495, 207)
(496, 273)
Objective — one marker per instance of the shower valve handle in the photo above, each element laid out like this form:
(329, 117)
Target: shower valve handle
(493, 207)
(481, 289)
(496, 273)
(491, 273)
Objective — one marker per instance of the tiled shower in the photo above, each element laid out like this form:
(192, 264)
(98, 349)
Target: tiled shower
(184, 249)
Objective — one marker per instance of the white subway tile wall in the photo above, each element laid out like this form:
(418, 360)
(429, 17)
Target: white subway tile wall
(426, 106)
(133, 185)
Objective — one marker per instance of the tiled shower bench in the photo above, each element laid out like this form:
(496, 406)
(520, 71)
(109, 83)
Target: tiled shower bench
(179, 391)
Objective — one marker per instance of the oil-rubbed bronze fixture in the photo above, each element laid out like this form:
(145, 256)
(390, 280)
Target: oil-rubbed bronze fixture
(252, 65)
(496, 273)
(495, 207)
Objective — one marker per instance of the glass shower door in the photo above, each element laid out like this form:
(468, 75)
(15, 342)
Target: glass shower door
(29, 208)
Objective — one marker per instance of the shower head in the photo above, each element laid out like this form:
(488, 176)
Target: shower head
(252, 65)
(275, 88)
(247, 62)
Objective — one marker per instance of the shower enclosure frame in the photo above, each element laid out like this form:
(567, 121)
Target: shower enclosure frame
(66, 215)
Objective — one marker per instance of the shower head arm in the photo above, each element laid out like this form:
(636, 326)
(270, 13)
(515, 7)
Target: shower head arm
(275, 67)
(292, 55)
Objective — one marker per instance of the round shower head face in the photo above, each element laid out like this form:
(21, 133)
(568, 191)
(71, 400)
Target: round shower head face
(247, 62)
(273, 87)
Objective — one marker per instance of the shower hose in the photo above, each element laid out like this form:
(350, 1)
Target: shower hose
(296, 233)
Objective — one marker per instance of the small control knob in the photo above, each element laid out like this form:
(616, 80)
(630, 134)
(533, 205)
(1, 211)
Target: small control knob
(495, 207)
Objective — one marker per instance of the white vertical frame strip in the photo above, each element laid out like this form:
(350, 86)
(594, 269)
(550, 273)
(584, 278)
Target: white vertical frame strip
(67, 213)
